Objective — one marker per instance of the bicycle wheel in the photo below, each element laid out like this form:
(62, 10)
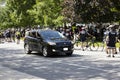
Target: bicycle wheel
(102, 46)
(94, 46)
(77, 45)
(84, 46)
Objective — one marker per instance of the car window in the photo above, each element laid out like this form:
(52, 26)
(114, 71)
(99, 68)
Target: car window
(38, 35)
(51, 34)
(33, 34)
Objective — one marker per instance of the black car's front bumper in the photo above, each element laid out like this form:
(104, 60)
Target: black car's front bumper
(60, 49)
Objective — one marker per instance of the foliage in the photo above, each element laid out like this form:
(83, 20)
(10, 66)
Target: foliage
(18, 11)
(98, 10)
(47, 12)
(87, 11)
(4, 16)
(56, 12)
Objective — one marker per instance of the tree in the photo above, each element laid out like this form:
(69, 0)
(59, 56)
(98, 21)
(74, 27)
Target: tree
(68, 11)
(5, 20)
(98, 10)
(91, 10)
(47, 12)
(56, 12)
(18, 11)
(116, 10)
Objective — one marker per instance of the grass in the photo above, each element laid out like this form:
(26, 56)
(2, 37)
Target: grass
(100, 44)
(118, 44)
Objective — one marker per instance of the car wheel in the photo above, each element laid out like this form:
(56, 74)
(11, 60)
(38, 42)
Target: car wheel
(69, 54)
(45, 52)
(27, 50)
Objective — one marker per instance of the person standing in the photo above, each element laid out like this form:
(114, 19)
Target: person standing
(111, 41)
(104, 39)
(18, 37)
(13, 35)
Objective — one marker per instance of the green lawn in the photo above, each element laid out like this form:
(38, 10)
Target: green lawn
(100, 44)
(117, 44)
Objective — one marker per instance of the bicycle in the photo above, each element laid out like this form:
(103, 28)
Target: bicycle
(91, 44)
(102, 46)
(76, 43)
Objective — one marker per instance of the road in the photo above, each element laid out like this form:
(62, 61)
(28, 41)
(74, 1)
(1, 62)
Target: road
(82, 65)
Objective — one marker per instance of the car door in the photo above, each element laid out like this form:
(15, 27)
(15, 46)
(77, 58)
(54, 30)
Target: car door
(34, 41)
(28, 39)
(39, 42)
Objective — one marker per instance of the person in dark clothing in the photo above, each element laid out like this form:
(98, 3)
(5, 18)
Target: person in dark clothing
(83, 37)
(111, 41)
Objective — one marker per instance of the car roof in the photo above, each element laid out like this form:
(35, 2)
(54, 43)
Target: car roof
(46, 30)
(41, 30)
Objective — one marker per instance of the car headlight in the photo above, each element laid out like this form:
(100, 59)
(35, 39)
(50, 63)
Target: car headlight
(51, 43)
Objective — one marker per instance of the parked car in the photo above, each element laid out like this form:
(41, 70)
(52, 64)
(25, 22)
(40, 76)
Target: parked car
(47, 42)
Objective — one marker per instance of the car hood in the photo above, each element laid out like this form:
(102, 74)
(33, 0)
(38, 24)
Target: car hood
(60, 41)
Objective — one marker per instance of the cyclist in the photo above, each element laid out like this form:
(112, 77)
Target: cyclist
(111, 41)
(83, 36)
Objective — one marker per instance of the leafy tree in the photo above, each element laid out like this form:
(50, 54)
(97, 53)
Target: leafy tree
(68, 11)
(56, 12)
(5, 20)
(18, 11)
(91, 10)
(47, 12)
(116, 10)
(98, 10)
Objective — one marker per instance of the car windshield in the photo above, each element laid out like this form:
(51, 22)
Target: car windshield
(51, 35)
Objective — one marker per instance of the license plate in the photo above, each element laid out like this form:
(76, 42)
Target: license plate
(65, 49)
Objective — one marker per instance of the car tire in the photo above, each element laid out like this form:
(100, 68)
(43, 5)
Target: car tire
(69, 54)
(45, 52)
(27, 50)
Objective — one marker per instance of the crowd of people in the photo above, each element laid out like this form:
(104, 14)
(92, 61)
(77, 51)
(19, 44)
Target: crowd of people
(11, 35)
(109, 34)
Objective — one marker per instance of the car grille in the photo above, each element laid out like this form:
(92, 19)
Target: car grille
(60, 48)
(62, 44)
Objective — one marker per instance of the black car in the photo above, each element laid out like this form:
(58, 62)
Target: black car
(47, 42)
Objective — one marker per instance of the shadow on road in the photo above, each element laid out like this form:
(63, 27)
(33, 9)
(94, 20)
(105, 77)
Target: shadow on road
(75, 67)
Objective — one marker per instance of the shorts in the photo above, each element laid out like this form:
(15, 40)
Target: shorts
(111, 45)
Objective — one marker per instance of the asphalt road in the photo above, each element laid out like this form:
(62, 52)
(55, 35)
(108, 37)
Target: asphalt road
(82, 65)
